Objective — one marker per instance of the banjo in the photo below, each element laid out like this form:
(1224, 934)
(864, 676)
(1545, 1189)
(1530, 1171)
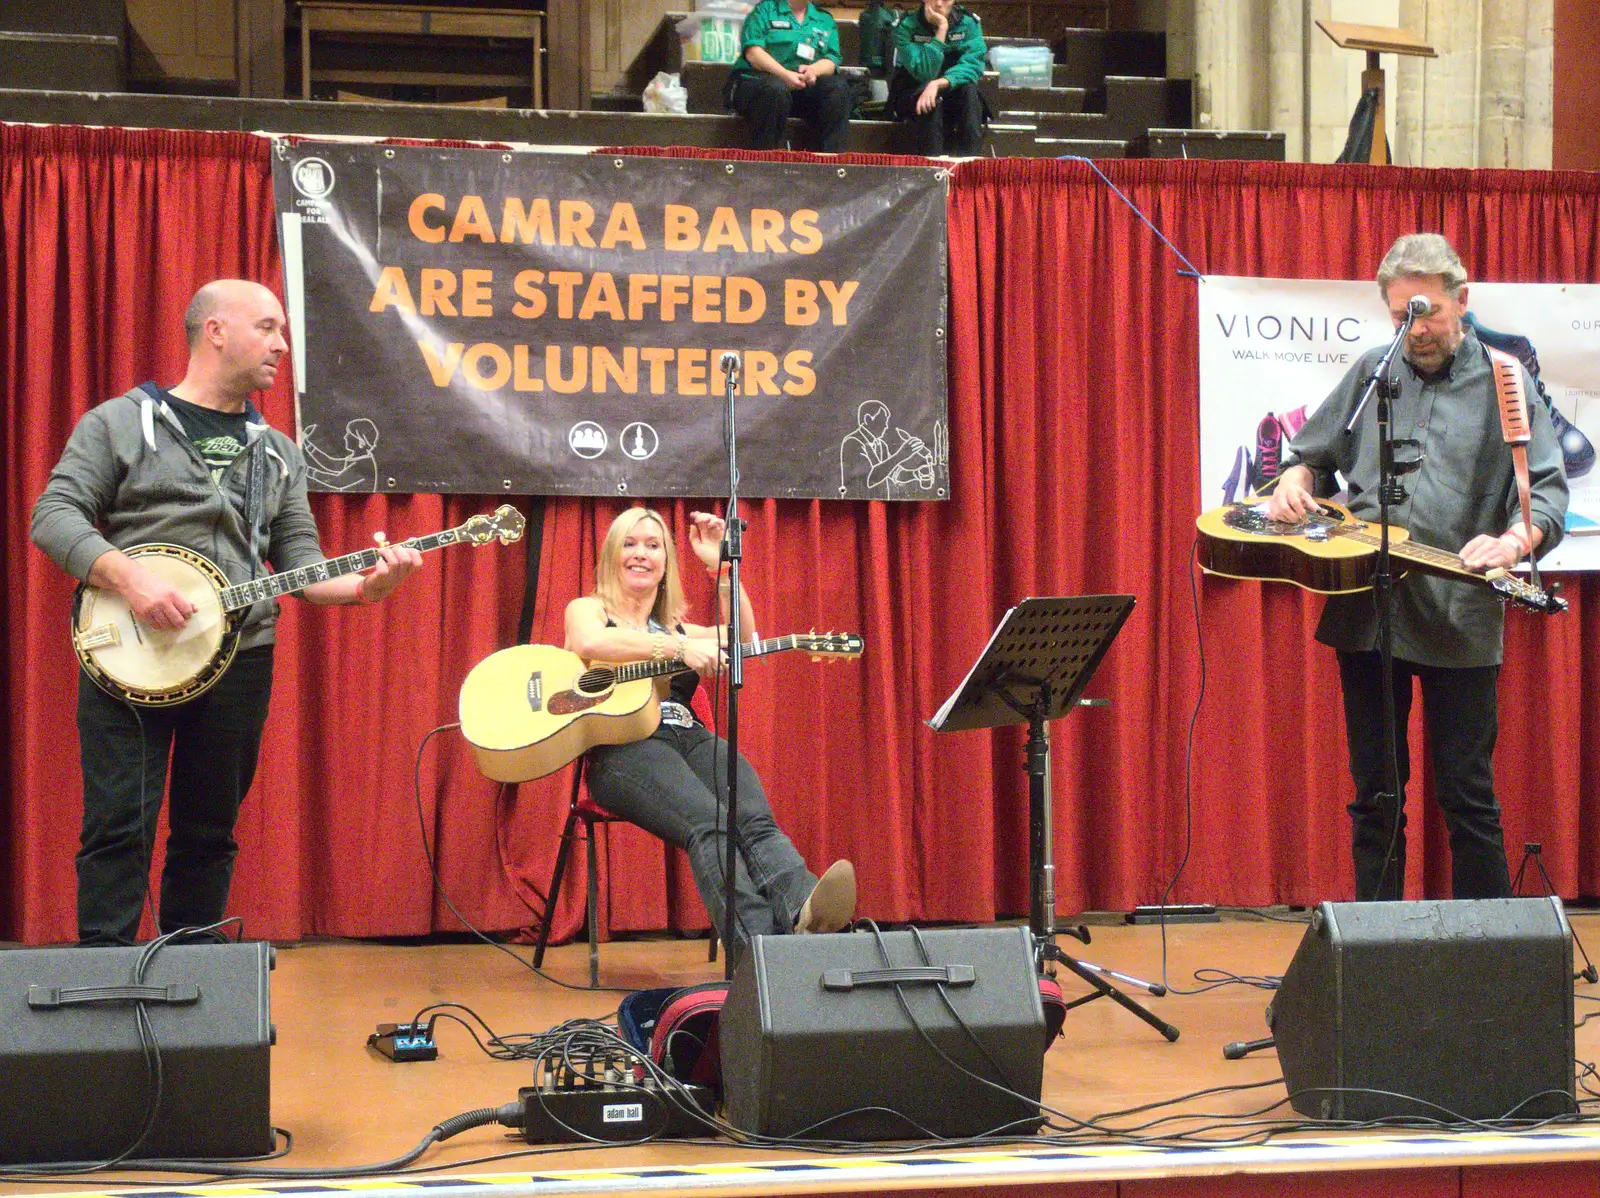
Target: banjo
(156, 667)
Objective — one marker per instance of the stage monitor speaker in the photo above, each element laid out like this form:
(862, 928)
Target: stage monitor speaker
(1433, 1009)
(73, 1074)
(816, 1043)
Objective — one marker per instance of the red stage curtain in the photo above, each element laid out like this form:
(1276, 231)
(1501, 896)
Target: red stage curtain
(1073, 433)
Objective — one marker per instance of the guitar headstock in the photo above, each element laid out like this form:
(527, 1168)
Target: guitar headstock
(831, 644)
(505, 525)
(1512, 589)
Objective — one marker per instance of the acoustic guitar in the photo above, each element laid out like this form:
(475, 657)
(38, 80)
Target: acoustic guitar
(157, 667)
(1334, 553)
(529, 710)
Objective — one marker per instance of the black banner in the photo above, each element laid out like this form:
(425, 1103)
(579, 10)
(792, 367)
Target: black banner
(471, 320)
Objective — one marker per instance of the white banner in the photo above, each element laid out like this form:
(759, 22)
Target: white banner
(1272, 349)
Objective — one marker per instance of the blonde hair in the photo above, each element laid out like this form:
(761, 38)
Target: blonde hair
(670, 606)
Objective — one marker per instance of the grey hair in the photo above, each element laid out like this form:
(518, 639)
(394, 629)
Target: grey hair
(1417, 254)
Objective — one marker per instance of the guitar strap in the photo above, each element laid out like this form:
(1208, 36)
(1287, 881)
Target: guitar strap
(255, 487)
(1516, 430)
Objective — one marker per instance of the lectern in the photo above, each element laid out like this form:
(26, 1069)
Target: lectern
(1376, 40)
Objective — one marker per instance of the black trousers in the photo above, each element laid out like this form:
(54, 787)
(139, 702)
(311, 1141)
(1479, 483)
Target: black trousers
(767, 102)
(212, 742)
(955, 124)
(1459, 709)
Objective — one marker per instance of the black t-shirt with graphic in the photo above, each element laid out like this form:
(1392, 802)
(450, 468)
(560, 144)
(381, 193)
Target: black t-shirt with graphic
(219, 436)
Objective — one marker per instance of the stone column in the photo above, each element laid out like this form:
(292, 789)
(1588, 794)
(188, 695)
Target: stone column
(1287, 91)
(1538, 86)
(1502, 46)
(1230, 44)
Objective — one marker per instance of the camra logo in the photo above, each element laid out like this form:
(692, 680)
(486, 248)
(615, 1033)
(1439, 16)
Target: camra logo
(587, 439)
(313, 178)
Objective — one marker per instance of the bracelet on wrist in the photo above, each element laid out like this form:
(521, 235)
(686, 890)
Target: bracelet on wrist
(658, 646)
(721, 570)
(682, 646)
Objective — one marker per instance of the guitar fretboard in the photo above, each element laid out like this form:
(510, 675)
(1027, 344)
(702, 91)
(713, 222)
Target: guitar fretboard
(654, 669)
(271, 586)
(1411, 551)
(1444, 562)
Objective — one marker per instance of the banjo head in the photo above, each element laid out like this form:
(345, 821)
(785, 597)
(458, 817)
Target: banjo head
(155, 666)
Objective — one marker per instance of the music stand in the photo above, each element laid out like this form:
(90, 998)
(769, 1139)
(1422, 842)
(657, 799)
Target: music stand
(1034, 669)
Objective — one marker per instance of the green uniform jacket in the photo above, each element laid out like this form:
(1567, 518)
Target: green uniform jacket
(772, 26)
(960, 59)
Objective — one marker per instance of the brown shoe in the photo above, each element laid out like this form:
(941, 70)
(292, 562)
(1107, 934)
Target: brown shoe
(832, 902)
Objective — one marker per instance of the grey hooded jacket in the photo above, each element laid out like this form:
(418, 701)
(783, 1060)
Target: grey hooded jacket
(130, 475)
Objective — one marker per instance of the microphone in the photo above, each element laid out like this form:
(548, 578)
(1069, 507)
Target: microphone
(730, 363)
(1418, 305)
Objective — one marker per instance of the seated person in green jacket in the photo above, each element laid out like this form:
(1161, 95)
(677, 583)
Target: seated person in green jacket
(786, 66)
(939, 56)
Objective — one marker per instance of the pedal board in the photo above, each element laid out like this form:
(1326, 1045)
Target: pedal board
(609, 1112)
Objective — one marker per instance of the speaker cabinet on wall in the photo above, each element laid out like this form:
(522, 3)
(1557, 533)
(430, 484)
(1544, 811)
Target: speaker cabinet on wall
(812, 1031)
(74, 1085)
(1463, 1005)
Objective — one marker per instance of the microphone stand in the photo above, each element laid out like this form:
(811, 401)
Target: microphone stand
(732, 552)
(1384, 388)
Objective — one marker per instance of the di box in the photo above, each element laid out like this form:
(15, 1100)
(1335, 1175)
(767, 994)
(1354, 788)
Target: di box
(1463, 1005)
(74, 1084)
(819, 1042)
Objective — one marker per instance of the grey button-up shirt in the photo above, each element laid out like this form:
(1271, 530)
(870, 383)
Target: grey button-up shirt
(1466, 486)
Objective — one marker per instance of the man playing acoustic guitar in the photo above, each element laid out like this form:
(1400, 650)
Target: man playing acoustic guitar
(1447, 633)
(195, 466)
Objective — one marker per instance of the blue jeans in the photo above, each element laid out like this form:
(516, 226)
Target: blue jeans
(1459, 709)
(665, 785)
(213, 742)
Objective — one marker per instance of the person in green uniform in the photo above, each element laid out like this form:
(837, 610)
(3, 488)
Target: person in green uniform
(939, 56)
(787, 63)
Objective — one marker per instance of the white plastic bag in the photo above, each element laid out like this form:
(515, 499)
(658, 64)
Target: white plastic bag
(665, 94)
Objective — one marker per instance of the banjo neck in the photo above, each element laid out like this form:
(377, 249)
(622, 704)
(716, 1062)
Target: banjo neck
(270, 586)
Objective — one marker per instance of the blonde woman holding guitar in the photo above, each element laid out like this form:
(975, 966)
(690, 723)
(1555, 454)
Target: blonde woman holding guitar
(669, 782)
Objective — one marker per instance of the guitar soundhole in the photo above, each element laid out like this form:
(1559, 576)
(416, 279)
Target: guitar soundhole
(1244, 517)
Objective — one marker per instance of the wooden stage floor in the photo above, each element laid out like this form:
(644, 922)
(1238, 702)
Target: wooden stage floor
(347, 1106)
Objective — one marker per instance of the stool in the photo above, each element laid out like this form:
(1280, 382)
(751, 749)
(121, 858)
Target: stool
(582, 809)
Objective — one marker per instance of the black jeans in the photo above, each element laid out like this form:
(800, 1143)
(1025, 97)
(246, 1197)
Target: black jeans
(956, 121)
(212, 742)
(1458, 707)
(767, 102)
(665, 784)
